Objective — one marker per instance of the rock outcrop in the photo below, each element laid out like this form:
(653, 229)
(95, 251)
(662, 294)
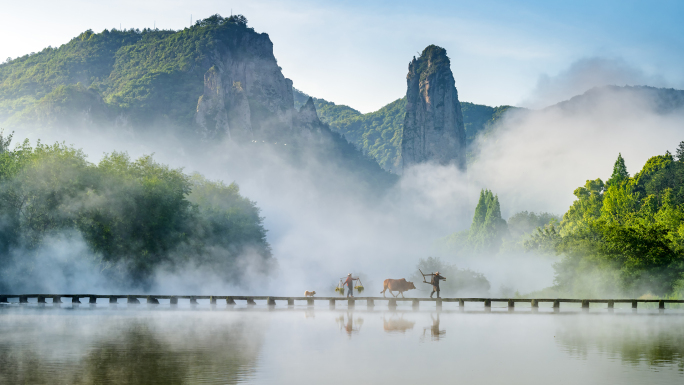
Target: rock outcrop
(245, 94)
(433, 125)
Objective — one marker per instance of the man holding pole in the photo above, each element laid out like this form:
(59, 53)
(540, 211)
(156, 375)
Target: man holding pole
(350, 284)
(435, 282)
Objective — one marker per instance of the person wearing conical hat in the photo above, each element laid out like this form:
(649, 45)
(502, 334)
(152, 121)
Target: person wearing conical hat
(435, 282)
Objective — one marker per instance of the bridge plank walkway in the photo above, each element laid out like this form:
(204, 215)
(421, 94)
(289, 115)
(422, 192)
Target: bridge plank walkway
(351, 301)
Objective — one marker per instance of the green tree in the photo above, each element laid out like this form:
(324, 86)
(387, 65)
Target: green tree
(462, 282)
(680, 152)
(135, 216)
(620, 173)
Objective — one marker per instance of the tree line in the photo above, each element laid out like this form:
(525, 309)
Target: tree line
(134, 215)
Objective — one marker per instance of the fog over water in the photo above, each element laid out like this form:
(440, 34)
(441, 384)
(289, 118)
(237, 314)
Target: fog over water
(313, 345)
(322, 225)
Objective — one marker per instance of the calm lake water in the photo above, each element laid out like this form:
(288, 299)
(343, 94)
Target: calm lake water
(84, 345)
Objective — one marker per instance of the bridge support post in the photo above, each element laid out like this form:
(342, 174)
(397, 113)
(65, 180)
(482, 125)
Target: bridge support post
(611, 305)
(556, 306)
(193, 301)
(461, 304)
(3, 299)
(56, 299)
(511, 304)
(488, 304)
(585, 305)
(392, 303)
(152, 301)
(173, 301)
(75, 300)
(270, 301)
(112, 300)
(290, 302)
(661, 306)
(309, 302)
(416, 304)
(370, 303)
(634, 306)
(438, 304)
(535, 305)
(351, 302)
(41, 299)
(92, 300)
(212, 300)
(23, 299)
(132, 300)
(332, 304)
(250, 302)
(230, 301)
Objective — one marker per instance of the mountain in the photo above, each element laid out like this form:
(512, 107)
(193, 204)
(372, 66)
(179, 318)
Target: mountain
(433, 125)
(216, 80)
(658, 100)
(379, 133)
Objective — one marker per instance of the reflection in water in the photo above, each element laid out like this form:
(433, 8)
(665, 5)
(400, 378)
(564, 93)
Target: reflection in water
(647, 339)
(435, 332)
(158, 348)
(289, 346)
(397, 323)
(349, 326)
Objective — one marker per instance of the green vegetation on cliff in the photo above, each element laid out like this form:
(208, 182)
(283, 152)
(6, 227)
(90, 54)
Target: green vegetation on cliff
(150, 75)
(134, 216)
(378, 134)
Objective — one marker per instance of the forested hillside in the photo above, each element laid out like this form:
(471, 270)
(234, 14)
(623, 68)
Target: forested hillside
(135, 216)
(379, 133)
(624, 236)
(489, 234)
(620, 238)
(148, 74)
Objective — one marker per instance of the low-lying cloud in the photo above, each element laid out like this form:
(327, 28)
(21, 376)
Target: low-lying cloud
(585, 74)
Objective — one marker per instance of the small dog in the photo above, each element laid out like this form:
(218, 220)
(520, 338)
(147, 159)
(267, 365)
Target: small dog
(309, 293)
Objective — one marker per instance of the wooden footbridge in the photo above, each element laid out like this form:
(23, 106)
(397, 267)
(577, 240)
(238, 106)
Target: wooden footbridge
(23, 299)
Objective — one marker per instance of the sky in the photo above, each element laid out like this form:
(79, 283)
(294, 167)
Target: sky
(524, 53)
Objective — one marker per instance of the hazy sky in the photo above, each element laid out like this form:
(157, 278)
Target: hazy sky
(357, 52)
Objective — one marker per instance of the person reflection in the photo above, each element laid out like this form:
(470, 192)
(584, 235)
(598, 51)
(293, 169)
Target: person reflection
(435, 332)
(351, 326)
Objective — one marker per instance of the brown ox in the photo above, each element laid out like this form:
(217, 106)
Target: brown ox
(400, 285)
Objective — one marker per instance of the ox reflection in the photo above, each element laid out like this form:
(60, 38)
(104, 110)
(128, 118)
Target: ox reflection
(397, 324)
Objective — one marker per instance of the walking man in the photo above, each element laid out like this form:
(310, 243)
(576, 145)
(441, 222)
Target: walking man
(435, 282)
(350, 284)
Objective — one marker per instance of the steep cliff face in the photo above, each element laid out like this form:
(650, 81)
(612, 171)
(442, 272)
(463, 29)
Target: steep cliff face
(245, 94)
(433, 125)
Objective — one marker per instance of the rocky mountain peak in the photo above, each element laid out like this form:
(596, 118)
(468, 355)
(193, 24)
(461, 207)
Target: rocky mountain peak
(245, 94)
(433, 125)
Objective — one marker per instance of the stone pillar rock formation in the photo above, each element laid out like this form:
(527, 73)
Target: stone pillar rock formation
(433, 125)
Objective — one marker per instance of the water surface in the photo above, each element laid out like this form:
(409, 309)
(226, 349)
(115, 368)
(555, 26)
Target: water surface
(137, 345)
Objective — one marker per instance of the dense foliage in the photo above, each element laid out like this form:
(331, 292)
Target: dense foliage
(430, 61)
(489, 234)
(134, 215)
(153, 76)
(625, 236)
(378, 134)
